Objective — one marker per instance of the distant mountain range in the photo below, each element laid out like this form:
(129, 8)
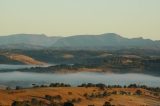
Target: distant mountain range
(103, 41)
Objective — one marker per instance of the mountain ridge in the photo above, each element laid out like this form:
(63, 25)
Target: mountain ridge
(102, 41)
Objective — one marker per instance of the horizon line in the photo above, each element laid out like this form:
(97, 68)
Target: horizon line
(38, 34)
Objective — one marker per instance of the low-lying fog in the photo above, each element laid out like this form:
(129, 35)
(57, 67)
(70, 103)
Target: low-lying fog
(26, 79)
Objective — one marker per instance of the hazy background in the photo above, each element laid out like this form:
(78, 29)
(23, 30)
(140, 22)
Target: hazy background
(130, 18)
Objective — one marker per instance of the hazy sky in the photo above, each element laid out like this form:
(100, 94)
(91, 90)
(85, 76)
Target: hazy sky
(130, 18)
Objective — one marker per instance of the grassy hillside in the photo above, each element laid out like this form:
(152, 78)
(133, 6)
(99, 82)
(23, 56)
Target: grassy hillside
(81, 96)
(121, 61)
(5, 60)
(13, 58)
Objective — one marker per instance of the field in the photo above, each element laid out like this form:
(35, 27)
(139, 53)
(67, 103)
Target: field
(81, 96)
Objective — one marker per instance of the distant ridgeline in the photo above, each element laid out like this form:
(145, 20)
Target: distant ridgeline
(108, 41)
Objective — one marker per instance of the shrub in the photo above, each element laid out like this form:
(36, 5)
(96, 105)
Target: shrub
(68, 104)
(18, 87)
(19, 103)
(48, 97)
(34, 101)
(138, 92)
(8, 88)
(107, 104)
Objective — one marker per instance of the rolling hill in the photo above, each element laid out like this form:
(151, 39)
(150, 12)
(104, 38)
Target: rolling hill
(12, 58)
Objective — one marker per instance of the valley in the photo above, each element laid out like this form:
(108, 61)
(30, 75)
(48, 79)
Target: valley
(100, 70)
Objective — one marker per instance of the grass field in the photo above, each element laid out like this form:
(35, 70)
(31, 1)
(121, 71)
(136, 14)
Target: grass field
(73, 93)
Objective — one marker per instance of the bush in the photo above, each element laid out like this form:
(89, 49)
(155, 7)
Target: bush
(107, 104)
(19, 103)
(48, 97)
(8, 88)
(34, 101)
(68, 104)
(138, 92)
(18, 87)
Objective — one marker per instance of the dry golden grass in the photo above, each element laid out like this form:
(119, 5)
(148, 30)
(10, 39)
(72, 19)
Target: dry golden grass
(6, 97)
(68, 56)
(24, 59)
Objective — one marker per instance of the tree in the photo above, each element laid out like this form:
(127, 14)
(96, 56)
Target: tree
(68, 104)
(139, 92)
(18, 103)
(107, 104)
(18, 87)
(8, 88)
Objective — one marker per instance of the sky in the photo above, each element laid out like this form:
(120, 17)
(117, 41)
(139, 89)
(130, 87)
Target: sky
(129, 18)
